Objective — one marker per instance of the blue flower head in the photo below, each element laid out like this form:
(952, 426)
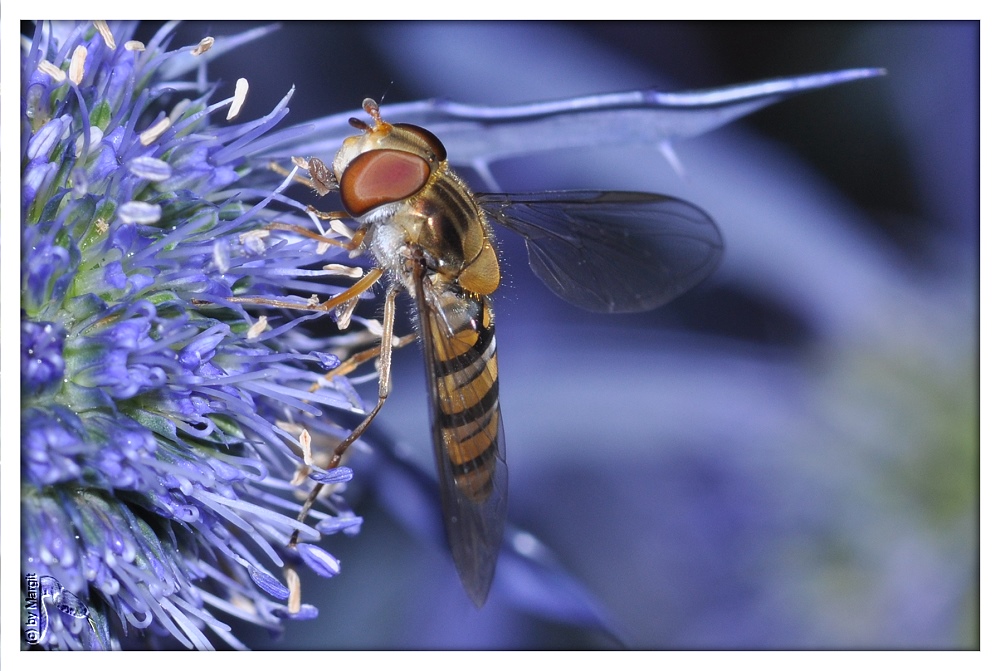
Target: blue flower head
(162, 423)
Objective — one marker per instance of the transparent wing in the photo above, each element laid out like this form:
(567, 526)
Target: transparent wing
(460, 356)
(611, 251)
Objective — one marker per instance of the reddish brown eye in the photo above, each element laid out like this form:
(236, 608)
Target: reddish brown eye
(428, 138)
(381, 176)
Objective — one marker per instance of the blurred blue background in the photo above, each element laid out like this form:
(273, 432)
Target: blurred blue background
(786, 457)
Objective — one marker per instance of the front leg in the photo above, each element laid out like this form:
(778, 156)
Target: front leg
(323, 179)
(384, 361)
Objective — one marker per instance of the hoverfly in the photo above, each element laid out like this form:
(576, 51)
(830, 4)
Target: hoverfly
(606, 251)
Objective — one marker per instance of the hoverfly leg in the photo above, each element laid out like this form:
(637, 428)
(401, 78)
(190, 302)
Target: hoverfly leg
(321, 179)
(347, 366)
(350, 245)
(385, 359)
(384, 362)
(351, 294)
(274, 166)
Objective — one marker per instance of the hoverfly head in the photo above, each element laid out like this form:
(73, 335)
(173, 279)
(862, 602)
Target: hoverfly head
(385, 164)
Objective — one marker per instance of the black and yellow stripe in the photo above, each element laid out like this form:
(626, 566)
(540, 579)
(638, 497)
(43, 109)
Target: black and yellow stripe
(466, 403)
(455, 236)
(453, 227)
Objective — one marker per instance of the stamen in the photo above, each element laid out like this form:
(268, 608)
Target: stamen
(147, 167)
(134, 45)
(179, 110)
(203, 46)
(294, 590)
(96, 135)
(300, 476)
(254, 332)
(372, 325)
(337, 226)
(305, 442)
(52, 71)
(76, 64)
(343, 271)
(139, 212)
(242, 86)
(256, 234)
(105, 31)
(150, 135)
(242, 603)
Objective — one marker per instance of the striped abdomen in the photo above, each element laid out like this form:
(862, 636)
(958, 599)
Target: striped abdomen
(461, 342)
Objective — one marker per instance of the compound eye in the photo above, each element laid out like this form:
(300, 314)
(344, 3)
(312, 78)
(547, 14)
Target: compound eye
(381, 176)
(433, 144)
